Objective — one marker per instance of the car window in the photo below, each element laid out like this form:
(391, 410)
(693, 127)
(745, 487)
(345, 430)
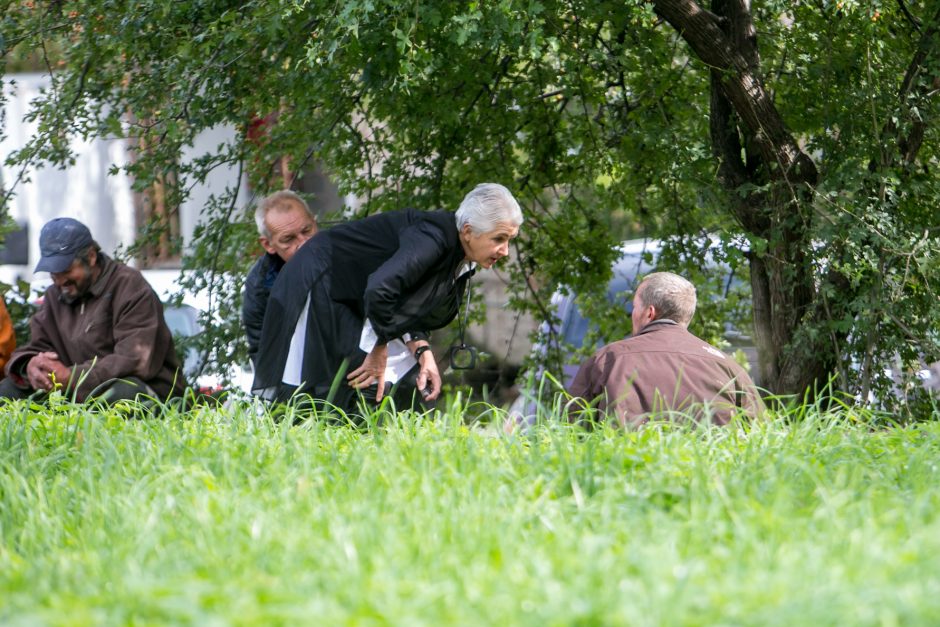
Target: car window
(620, 290)
(575, 327)
(182, 319)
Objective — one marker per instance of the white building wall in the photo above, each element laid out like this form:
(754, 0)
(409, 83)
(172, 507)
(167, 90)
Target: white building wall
(217, 181)
(85, 190)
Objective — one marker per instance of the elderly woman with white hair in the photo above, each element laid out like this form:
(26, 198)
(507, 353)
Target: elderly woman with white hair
(354, 307)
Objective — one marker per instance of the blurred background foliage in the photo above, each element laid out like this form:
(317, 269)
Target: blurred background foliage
(806, 130)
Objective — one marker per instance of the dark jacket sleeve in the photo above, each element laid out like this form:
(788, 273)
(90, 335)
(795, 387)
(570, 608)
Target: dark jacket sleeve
(254, 304)
(136, 320)
(39, 342)
(421, 249)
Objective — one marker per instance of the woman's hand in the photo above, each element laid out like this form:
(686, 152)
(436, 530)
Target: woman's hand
(371, 371)
(429, 377)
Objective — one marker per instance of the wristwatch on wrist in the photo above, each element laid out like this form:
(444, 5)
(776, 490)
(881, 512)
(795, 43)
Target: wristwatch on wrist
(420, 351)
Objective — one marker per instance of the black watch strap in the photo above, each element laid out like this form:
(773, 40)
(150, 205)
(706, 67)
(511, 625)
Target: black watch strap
(420, 351)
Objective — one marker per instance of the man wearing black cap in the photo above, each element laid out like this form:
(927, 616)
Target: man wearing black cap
(100, 331)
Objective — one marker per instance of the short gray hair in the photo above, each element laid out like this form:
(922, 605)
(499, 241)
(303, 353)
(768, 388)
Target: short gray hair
(672, 296)
(281, 201)
(487, 205)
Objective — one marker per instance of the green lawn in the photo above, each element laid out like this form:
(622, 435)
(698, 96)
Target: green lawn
(225, 517)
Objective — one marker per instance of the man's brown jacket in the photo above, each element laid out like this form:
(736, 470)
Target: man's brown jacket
(115, 330)
(662, 370)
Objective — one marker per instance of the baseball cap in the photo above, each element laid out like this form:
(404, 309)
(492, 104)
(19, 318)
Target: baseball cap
(60, 240)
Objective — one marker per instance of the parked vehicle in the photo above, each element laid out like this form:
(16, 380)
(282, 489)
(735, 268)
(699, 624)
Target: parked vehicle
(568, 334)
(184, 322)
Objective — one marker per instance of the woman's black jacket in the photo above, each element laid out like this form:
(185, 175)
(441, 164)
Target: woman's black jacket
(397, 269)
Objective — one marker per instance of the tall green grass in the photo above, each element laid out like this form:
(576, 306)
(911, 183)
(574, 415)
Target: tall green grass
(224, 516)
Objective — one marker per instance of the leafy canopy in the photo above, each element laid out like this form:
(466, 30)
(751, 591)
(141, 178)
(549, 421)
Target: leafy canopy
(596, 114)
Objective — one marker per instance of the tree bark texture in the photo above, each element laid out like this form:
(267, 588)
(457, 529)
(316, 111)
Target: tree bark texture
(754, 148)
(916, 86)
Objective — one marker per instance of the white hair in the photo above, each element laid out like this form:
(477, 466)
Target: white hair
(486, 206)
(672, 296)
(283, 200)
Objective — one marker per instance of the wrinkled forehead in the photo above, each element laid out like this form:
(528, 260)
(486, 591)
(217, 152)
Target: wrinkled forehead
(506, 228)
(287, 217)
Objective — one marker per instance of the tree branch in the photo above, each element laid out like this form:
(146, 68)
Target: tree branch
(913, 87)
(742, 85)
(910, 18)
(909, 146)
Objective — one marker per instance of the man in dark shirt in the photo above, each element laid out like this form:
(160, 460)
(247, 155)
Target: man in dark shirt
(284, 223)
(100, 331)
(663, 370)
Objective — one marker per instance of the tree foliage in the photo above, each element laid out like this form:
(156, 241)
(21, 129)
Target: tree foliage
(808, 127)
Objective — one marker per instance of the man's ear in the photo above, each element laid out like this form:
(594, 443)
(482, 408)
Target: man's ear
(92, 257)
(266, 244)
(465, 232)
(652, 313)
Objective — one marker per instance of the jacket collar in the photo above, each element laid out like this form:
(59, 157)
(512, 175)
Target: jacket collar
(448, 221)
(465, 268)
(657, 325)
(107, 269)
(273, 260)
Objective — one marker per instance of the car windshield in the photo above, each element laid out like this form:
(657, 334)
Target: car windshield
(183, 323)
(181, 320)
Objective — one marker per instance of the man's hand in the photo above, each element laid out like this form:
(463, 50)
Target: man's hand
(371, 371)
(45, 370)
(38, 371)
(61, 374)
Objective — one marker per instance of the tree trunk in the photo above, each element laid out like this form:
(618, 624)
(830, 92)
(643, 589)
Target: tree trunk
(754, 148)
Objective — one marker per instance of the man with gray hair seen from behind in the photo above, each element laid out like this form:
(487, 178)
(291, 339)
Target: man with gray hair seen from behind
(662, 370)
(284, 223)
